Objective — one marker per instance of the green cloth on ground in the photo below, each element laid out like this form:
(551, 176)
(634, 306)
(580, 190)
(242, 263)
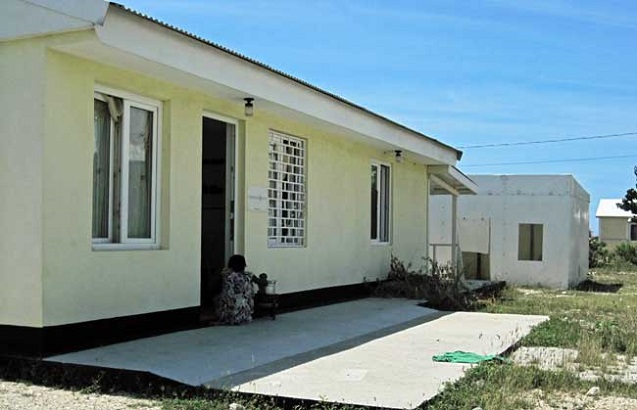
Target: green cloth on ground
(466, 357)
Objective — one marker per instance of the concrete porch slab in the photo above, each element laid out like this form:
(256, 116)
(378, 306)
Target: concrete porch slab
(198, 356)
(395, 371)
(374, 352)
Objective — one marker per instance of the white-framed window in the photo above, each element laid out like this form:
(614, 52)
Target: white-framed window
(530, 242)
(380, 202)
(286, 191)
(632, 231)
(125, 170)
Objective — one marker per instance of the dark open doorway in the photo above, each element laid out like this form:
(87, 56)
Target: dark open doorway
(217, 202)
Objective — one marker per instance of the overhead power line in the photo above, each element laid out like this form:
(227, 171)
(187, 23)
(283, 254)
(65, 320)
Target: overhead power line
(550, 160)
(509, 144)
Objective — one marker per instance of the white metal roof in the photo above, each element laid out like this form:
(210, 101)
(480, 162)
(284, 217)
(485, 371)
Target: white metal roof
(608, 208)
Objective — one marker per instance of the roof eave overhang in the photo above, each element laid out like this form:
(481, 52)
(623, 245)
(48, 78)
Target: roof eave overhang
(449, 180)
(24, 19)
(169, 54)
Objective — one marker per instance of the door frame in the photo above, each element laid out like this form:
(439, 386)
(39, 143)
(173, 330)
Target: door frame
(231, 243)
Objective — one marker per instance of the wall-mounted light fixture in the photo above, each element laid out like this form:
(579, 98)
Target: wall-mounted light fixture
(249, 107)
(398, 154)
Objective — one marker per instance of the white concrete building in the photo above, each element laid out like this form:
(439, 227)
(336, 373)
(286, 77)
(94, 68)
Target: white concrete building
(523, 229)
(615, 224)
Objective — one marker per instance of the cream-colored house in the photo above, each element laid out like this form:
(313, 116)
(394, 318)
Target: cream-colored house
(615, 224)
(522, 229)
(135, 157)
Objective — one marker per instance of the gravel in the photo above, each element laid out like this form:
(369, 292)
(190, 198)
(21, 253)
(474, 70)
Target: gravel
(21, 396)
(620, 368)
(563, 401)
(552, 358)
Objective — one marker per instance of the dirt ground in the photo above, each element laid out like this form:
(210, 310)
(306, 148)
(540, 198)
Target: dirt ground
(23, 396)
(580, 401)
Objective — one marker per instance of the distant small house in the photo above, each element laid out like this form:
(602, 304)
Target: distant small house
(523, 229)
(615, 224)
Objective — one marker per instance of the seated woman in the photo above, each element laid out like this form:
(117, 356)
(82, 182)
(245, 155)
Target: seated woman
(235, 304)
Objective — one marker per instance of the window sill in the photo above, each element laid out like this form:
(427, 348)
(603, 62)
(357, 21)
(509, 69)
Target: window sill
(376, 243)
(125, 247)
(276, 246)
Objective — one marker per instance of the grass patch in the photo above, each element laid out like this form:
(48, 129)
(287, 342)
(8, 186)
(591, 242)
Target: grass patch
(583, 320)
(554, 333)
(507, 387)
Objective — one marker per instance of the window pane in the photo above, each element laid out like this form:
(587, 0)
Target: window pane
(140, 166)
(524, 242)
(537, 236)
(530, 242)
(384, 204)
(374, 203)
(101, 169)
(380, 203)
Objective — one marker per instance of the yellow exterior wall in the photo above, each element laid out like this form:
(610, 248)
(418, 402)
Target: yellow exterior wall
(83, 284)
(21, 96)
(613, 231)
(410, 213)
(339, 250)
(79, 283)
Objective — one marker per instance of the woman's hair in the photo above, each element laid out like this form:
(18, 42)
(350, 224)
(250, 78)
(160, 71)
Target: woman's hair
(237, 263)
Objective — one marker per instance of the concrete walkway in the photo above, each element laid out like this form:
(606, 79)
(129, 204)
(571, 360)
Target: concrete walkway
(374, 352)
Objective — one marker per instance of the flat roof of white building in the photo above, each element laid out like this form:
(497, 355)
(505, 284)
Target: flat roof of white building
(608, 208)
(529, 185)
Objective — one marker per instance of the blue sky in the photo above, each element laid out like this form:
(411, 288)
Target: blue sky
(464, 72)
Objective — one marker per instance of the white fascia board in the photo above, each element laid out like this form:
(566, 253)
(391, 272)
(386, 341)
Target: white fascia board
(470, 187)
(22, 19)
(447, 188)
(133, 34)
(454, 181)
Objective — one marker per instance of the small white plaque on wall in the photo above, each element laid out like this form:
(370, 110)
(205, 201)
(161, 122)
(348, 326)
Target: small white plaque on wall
(258, 199)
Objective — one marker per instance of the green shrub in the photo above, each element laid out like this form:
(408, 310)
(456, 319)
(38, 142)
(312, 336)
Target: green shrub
(597, 253)
(440, 285)
(626, 252)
